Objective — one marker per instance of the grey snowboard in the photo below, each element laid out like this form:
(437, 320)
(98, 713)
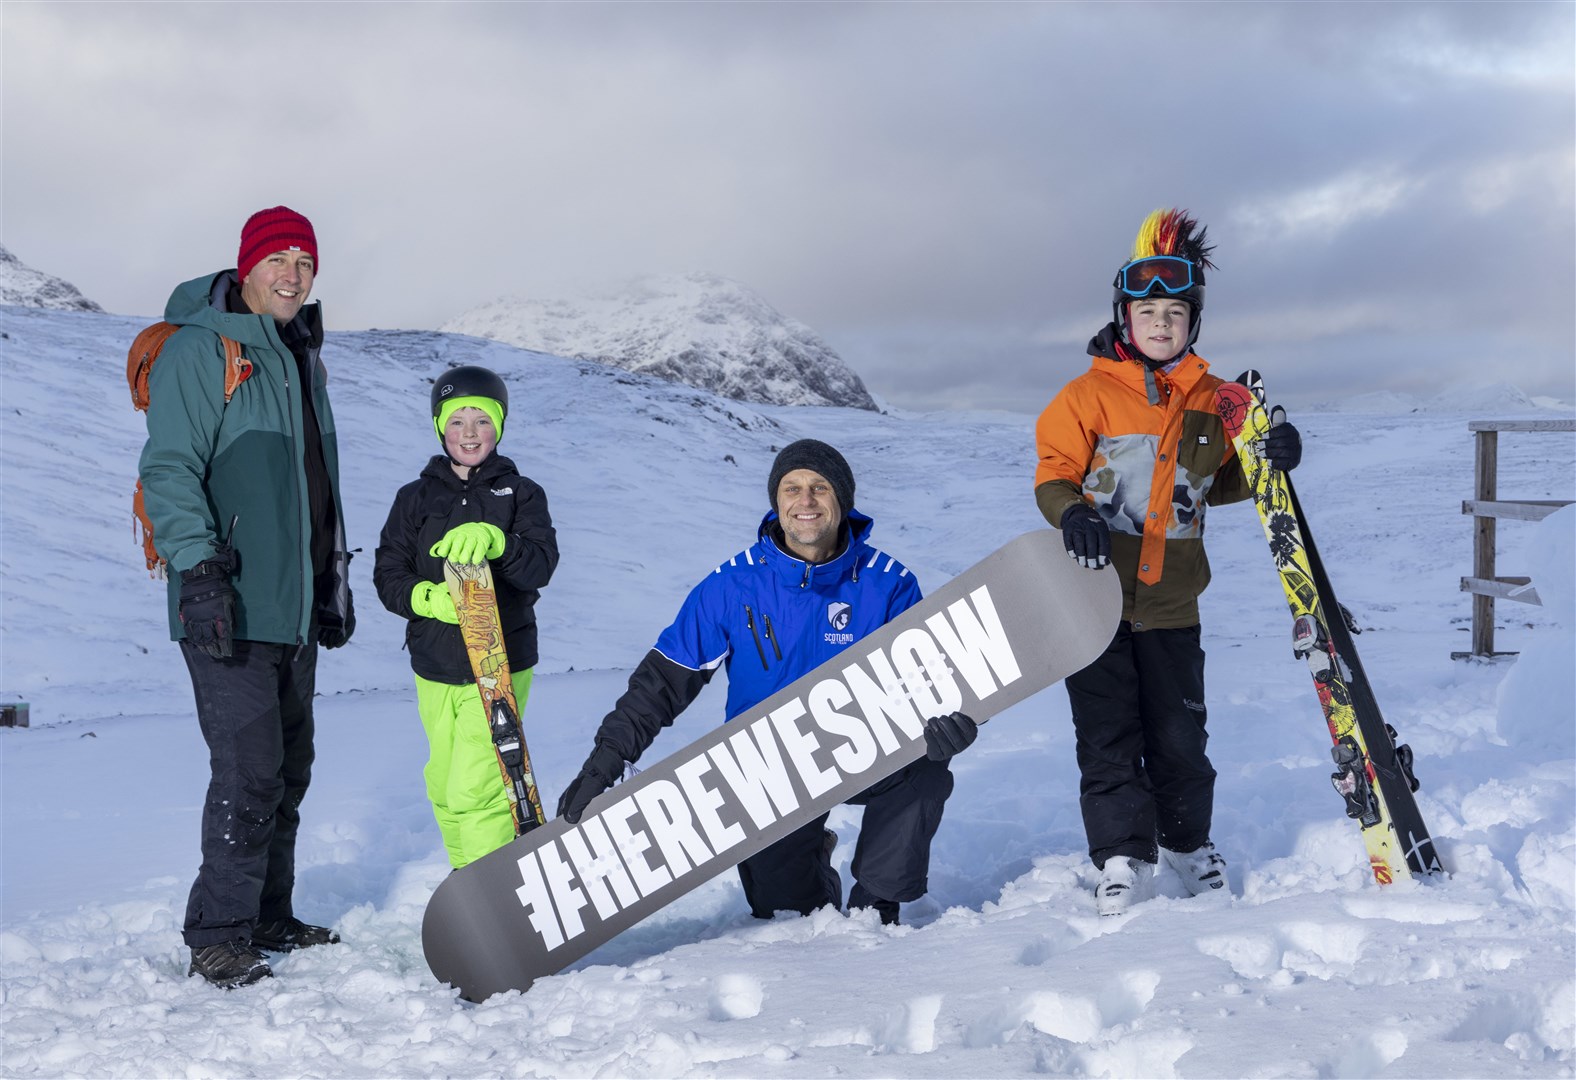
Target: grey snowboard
(1020, 620)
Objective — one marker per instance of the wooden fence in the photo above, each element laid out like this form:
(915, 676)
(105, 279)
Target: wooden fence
(1486, 508)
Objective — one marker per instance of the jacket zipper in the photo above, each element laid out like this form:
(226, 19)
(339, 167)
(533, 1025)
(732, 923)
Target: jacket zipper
(300, 497)
(771, 637)
(749, 620)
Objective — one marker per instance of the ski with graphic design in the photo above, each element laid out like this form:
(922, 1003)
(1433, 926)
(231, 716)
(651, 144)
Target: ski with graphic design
(1373, 774)
(476, 603)
(1012, 625)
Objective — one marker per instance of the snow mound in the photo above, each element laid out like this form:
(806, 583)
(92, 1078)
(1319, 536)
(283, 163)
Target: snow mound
(1537, 700)
(698, 329)
(1485, 398)
(23, 286)
(1550, 552)
(1389, 402)
(1490, 397)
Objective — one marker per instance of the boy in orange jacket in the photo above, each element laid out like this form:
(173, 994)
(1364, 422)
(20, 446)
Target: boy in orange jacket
(1132, 452)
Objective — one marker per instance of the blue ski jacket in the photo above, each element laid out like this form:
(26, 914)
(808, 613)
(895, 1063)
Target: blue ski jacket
(768, 618)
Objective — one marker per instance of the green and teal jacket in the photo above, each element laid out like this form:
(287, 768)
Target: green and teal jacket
(207, 462)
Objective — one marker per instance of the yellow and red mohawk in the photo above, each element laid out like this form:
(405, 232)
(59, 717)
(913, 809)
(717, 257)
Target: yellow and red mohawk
(1173, 232)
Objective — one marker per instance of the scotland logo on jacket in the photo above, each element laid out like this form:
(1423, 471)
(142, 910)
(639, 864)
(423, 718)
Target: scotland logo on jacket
(839, 614)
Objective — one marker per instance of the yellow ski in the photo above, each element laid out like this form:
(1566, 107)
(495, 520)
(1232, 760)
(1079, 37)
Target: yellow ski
(476, 603)
(1373, 774)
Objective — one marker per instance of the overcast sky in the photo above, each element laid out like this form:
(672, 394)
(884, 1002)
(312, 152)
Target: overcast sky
(943, 191)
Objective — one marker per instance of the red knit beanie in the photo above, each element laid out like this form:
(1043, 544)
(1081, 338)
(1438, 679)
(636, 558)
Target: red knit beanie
(277, 229)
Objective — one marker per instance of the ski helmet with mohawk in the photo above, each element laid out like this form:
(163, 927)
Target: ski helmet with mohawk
(1169, 259)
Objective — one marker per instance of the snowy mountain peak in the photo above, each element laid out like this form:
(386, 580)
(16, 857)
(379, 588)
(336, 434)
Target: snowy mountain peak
(23, 286)
(699, 329)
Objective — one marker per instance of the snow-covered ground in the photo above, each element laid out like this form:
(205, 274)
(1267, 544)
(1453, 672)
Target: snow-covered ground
(1308, 969)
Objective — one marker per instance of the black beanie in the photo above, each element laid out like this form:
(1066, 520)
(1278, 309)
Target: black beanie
(818, 457)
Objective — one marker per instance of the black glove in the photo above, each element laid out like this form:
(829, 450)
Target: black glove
(1087, 536)
(207, 605)
(600, 772)
(331, 633)
(948, 735)
(1282, 442)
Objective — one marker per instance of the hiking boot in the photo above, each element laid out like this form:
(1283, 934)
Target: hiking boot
(861, 897)
(229, 964)
(1202, 871)
(286, 935)
(1124, 882)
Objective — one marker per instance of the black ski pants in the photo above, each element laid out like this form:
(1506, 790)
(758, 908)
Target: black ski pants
(891, 856)
(1138, 713)
(255, 711)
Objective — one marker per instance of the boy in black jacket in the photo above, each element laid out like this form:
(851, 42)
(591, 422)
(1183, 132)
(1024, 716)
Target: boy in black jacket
(468, 505)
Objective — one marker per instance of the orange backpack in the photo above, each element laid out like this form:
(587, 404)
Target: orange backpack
(139, 362)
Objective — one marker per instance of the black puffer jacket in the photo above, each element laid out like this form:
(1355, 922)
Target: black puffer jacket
(432, 505)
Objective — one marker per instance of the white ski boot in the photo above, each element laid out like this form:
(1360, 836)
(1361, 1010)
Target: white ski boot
(1203, 872)
(1124, 882)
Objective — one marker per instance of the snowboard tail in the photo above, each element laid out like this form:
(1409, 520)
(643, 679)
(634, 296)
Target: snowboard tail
(1020, 620)
(476, 603)
(1373, 775)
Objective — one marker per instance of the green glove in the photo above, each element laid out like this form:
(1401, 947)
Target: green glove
(473, 542)
(431, 600)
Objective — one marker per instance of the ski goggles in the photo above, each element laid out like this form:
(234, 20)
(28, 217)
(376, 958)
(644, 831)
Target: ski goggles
(1140, 277)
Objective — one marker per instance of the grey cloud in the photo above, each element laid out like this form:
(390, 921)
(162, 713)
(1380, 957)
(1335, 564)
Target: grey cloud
(942, 190)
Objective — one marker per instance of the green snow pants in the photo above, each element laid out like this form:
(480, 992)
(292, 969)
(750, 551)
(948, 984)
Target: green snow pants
(464, 782)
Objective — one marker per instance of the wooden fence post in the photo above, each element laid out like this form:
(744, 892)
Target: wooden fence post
(1485, 472)
(1486, 585)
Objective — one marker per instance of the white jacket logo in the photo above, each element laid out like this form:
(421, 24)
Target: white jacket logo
(839, 614)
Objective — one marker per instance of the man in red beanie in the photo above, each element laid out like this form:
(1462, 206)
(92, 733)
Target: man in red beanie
(244, 498)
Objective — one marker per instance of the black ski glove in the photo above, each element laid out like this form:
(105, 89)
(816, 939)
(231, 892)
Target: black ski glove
(600, 772)
(1282, 442)
(331, 634)
(1087, 536)
(949, 735)
(207, 605)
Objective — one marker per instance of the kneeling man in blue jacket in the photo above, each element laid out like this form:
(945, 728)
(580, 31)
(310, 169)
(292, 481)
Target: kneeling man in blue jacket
(808, 588)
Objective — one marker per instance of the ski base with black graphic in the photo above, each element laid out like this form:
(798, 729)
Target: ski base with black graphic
(476, 604)
(1018, 621)
(1373, 775)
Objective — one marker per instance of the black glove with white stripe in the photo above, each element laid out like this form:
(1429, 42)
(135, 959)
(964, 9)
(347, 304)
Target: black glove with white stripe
(1087, 536)
(1282, 442)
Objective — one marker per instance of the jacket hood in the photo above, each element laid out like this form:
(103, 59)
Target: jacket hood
(1105, 343)
(437, 468)
(201, 302)
(796, 571)
(1111, 358)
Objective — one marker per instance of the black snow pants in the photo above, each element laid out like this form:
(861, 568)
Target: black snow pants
(255, 711)
(1138, 712)
(891, 856)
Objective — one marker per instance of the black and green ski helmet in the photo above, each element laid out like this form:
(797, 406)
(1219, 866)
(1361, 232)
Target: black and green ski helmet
(469, 385)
